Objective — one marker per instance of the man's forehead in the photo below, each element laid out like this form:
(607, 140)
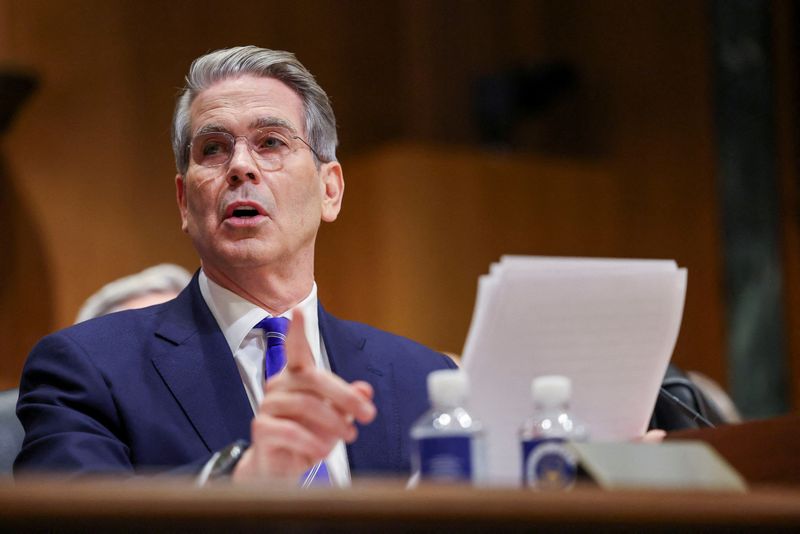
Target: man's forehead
(259, 100)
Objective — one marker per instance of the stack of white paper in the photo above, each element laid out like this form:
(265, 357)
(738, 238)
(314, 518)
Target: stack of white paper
(608, 325)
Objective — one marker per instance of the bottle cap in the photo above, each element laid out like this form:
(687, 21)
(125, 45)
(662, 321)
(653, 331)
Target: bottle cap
(551, 390)
(448, 387)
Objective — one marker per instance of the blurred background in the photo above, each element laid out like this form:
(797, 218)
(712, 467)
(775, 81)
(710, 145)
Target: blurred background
(469, 129)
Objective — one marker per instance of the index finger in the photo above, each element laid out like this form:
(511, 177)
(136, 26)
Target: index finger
(298, 353)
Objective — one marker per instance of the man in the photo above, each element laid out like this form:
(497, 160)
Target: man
(180, 386)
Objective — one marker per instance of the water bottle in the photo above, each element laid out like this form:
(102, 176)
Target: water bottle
(447, 442)
(547, 462)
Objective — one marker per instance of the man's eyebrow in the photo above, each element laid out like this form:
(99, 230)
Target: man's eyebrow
(211, 128)
(263, 122)
(273, 122)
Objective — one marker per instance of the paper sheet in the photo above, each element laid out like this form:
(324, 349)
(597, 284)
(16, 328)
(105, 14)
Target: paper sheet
(609, 325)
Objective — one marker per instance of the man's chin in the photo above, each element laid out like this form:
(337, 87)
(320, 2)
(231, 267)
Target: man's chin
(234, 253)
(241, 260)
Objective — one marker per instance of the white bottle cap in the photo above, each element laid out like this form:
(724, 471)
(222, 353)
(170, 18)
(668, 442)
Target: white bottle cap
(551, 391)
(448, 388)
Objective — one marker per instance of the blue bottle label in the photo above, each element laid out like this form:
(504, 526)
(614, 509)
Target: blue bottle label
(445, 459)
(547, 463)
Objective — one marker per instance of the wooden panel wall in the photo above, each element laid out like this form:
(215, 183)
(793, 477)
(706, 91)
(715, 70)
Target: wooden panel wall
(436, 216)
(629, 172)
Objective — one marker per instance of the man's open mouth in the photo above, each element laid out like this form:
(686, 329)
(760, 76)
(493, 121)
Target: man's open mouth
(244, 210)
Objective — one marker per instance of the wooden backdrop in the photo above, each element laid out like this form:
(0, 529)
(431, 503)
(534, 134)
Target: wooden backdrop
(623, 166)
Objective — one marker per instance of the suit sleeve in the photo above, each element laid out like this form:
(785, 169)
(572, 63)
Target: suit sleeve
(71, 424)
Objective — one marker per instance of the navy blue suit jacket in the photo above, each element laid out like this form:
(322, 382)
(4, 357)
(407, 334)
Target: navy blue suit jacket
(158, 389)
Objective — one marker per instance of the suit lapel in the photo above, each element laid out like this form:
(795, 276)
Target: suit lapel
(199, 370)
(378, 445)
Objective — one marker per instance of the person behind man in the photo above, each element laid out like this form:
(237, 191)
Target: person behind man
(153, 285)
(180, 386)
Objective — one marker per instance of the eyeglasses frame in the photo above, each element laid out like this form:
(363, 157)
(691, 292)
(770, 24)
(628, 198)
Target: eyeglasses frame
(249, 147)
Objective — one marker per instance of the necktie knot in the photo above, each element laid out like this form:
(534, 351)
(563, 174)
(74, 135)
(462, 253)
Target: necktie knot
(275, 329)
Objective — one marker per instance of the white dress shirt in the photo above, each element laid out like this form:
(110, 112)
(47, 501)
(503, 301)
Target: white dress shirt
(236, 318)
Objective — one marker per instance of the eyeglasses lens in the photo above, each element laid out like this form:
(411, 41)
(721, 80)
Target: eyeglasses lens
(214, 149)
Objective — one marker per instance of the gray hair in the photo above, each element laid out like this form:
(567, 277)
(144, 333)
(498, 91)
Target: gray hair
(162, 278)
(320, 126)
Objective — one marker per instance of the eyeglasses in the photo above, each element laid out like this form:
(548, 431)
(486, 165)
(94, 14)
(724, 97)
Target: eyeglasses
(270, 147)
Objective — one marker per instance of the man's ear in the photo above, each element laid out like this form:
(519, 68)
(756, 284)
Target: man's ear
(180, 193)
(332, 183)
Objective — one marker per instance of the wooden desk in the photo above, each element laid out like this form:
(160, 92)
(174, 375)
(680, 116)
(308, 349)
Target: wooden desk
(764, 452)
(384, 508)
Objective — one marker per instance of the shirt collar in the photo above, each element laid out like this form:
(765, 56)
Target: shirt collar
(237, 316)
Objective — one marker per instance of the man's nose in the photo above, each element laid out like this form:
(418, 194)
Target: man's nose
(242, 166)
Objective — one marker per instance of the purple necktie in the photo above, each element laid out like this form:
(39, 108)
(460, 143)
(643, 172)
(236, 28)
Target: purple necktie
(317, 476)
(275, 329)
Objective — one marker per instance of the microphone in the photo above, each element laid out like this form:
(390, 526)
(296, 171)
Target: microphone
(686, 409)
